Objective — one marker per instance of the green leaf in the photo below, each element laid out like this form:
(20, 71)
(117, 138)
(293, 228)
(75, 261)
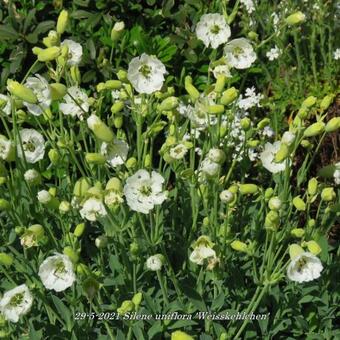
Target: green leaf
(8, 32)
(63, 311)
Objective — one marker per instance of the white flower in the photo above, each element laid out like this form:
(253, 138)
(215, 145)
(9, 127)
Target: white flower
(249, 5)
(41, 89)
(44, 196)
(239, 53)
(288, 138)
(222, 70)
(5, 104)
(75, 52)
(251, 99)
(267, 158)
(268, 131)
(33, 145)
(154, 262)
(336, 174)
(304, 267)
(92, 208)
(143, 191)
(113, 198)
(56, 272)
(336, 54)
(75, 102)
(252, 154)
(226, 196)
(146, 73)
(178, 151)
(273, 53)
(200, 253)
(6, 147)
(209, 168)
(213, 30)
(115, 152)
(16, 302)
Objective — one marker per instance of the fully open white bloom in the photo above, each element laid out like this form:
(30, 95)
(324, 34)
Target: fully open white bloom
(250, 99)
(239, 53)
(56, 272)
(146, 73)
(75, 52)
(249, 5)
(213, 30)
(33, 145)
(115, 152)
(304, 267)
(44, 196)
(92, 208)
(209, 168)
(5, 104)
(154, 262)
(336, 54)
(273, 53)
(41, 89)
(267, 158)
(143, 191)
(75, 102)
(200, 253)
(178, 151)
(16, 302)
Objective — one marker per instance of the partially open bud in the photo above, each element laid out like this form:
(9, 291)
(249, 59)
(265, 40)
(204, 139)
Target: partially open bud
(314, 130)
(217, 155)
(226, 196)
(32, 177)
(21, 91)
(295, 250)
(299, 204)
(115, 184)
(228, 96)
(62, 21)
(100, 129)
(275, 203)
(101, 241)
(272, 220)
(64, 207)
(117, 30)
(295, 18)
(328, 194)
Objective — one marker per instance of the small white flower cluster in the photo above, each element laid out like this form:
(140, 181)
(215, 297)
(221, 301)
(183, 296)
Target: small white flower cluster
(250, 100)
(249, 5)
(273, 53)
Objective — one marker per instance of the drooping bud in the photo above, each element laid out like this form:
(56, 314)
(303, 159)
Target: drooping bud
(299, 204)
(228, 96)
(21, 91)
(62, 21)
(100, 129)
(49, 54)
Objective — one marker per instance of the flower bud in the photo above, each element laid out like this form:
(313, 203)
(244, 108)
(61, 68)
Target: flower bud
(272, 220)
(275, 203)
(253, 143)
(248, 189)
(311, 223)
(58, 91)
(297, 232)
(233, 188)
(314, 130)
(288, 138)
(101, 241)
(295, 18)
(168, 104)
(6, 260)
(299, 204)
(72, 254)
(100, 129)
(312, 186)
(95, 158)
(228, 96)
(117, 107)
(90, 287)
(122, 75)
(179, 335)
(75, 74)
(333, 124)
(81, 187)
(137, 299)
(306, 144)
(49, 54)
(268, 193)
(295, 250)
(309, 102)
(217, 155)
(53, 155)
(21, 91)
(326, 102)
(117, 30)
(131, 163)
(220, 82)
(313, 247)
(263, 123)
(118, 121)
(4, 205)
(328, 194)
(245, 123)
(79, 230)
(114, 183)
(253, 35)
(147, 161)
(134, 248)
(113, 84)
(239, 246)
(282, 153)
(62, 21)
(126, 306)
(191, 89)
